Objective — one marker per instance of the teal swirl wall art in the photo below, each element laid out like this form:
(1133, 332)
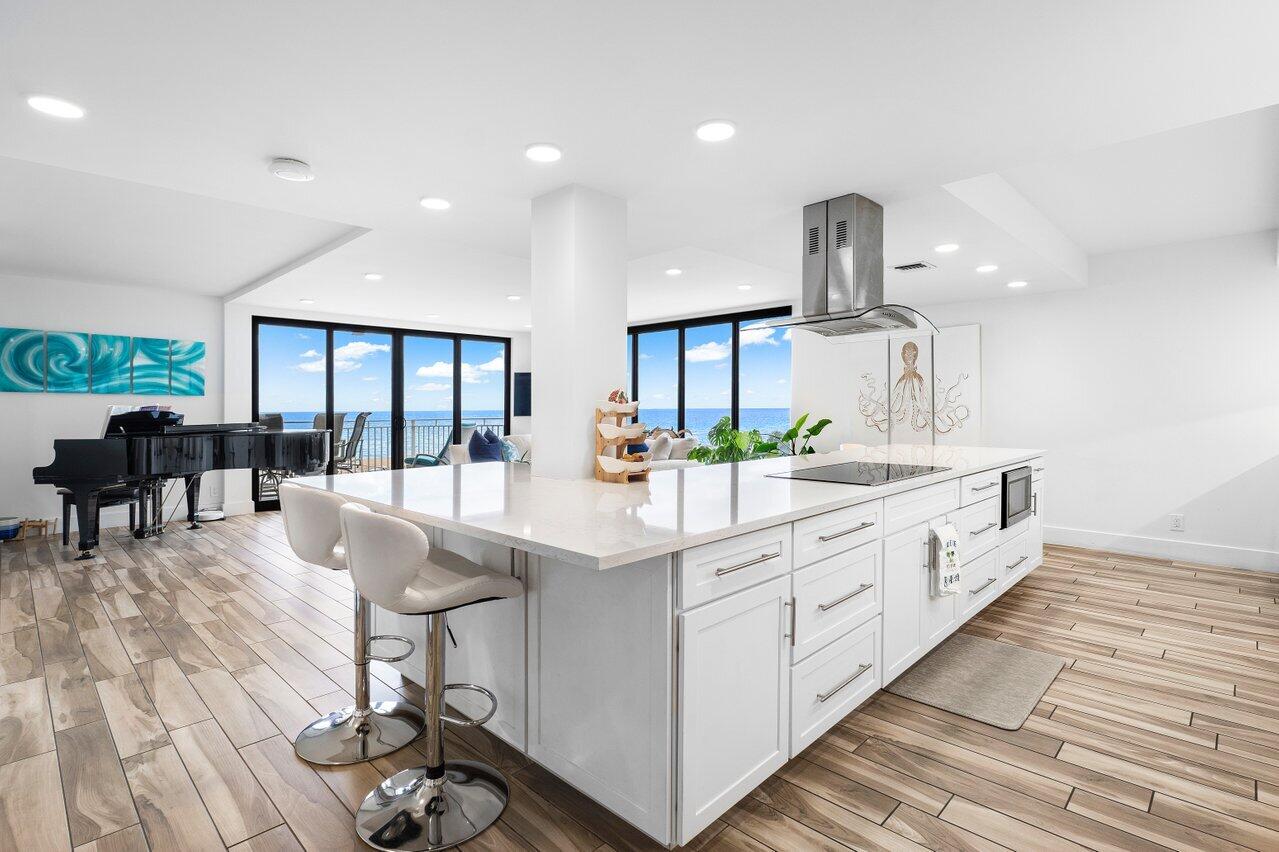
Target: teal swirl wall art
(186, 372)
(150, 365)
(76, 362)
(112, 371)
(21, 360)
(66, 362)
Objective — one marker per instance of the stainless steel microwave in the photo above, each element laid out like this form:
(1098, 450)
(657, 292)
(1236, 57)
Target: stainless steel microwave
(1017, 495)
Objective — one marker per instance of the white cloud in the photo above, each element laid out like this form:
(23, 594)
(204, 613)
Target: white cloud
(357, 349)
(471, 374)
(440, 370)
(644, 356)
(783, 382)
(370, 378)
(659, 396)
(434, 386)
(711, 351)
(786, 335)
(346, 358)
(757, 333)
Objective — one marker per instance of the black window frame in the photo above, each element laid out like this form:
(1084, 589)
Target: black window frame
(397, 335)
(681, 326)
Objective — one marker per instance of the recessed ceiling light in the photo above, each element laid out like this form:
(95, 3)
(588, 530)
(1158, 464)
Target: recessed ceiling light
(987, 267)
(743, 286)
(56, 107)
(543, 152)
(431, 203)
(287, 168)
(432, 316)
(307, 301)
(1016, 283)
(946, 248)
(716, 130)
(674, 272)
(513, 298)
(373, 276)
(528, 325)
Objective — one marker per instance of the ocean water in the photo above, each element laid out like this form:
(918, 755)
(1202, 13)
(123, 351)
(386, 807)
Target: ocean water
(696, 420)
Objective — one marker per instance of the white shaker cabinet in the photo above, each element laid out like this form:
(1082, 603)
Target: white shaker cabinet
(905, 585)
(734, 698)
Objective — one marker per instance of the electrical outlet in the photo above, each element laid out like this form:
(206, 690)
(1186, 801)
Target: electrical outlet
(1177, 523)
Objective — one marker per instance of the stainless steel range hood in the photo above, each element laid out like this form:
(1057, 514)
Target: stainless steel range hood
(844, 273)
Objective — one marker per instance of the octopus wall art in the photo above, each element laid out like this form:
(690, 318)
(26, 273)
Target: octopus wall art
(908, 403)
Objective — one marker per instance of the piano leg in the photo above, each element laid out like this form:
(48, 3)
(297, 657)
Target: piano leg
(193, 500)
(86, 515)
(150, 509)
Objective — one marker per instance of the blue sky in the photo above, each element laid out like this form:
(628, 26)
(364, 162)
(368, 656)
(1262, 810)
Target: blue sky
(765, 367)
(291, 372)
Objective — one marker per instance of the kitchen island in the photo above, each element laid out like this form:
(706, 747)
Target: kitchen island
(682, 638)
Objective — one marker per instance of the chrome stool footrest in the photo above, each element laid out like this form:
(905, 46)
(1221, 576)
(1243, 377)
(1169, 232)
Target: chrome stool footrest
(390, 637)
(466, 722)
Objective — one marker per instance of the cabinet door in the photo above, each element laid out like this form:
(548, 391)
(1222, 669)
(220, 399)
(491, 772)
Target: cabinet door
(905, 584)
(939, 614)
(1036, 531)
(734, 707)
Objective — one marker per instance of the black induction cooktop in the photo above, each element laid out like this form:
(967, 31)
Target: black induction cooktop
(859, 473)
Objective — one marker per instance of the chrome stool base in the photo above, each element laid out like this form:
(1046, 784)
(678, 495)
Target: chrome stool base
(410, 811)
(346, 736)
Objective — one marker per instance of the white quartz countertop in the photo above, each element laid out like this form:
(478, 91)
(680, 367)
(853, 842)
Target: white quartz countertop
(602, 525)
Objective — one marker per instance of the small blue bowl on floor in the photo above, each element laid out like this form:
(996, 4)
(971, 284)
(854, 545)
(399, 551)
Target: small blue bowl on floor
(9, 528)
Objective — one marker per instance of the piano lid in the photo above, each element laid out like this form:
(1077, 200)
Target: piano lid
(148, 420)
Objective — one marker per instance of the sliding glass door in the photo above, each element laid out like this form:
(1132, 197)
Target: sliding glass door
(392, 397)
(689, 374)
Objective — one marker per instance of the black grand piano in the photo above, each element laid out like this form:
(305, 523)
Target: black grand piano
(140, 450)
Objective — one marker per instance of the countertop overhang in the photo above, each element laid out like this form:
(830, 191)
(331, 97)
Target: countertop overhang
(602, 525)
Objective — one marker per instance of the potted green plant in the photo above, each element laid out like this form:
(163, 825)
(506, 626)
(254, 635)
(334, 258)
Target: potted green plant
(726, 444)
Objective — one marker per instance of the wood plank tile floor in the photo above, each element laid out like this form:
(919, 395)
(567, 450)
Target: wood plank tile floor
(148, 699)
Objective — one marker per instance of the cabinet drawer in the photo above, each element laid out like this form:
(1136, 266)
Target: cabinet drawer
(836, 595)
(709, 571)
(978, 486)
(981, 583)
(902, 511)
(1015, 558)
(832, 683)
(1037, 469)
(834, 532)
(978, 527)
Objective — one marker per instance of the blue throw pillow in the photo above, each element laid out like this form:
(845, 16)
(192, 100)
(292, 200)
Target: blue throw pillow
(481, 449)
(637, 448)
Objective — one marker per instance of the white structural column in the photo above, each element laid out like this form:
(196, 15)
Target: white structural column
(579, 323)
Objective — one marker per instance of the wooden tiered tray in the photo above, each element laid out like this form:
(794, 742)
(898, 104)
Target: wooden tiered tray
(619, 416)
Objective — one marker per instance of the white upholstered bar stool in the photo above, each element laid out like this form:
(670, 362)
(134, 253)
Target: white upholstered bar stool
(443, 803)
(365, 730)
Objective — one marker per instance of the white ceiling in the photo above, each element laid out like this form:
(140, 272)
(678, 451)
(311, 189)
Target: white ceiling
(64, 224)
(1209, 180)
(405, 98)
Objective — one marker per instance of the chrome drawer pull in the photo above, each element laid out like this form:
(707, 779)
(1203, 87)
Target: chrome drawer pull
(990, 526)
(1039, 470)
(984, 487)
(823, 696)
(862, 526)
(1015, 564)
(847, 597)
(720, 572)
(982, 587)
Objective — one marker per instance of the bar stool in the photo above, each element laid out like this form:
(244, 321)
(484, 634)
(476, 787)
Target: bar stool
(365, 730)
(443, 803)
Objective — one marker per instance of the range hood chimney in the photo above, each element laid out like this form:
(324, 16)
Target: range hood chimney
(844, 273)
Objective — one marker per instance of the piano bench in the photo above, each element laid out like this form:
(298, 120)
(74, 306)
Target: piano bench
(109, 497)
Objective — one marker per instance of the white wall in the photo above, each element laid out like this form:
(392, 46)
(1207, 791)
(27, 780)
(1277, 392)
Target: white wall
(1156, 391)
(239, 366)
(29, 422)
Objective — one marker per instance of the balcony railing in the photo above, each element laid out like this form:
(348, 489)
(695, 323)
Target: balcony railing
(422, 437)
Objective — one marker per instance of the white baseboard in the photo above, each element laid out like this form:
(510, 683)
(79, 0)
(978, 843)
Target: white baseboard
(1166, 548)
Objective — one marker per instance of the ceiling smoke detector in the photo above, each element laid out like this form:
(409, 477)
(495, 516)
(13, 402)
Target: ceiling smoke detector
(917, 266)
(287, 168)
